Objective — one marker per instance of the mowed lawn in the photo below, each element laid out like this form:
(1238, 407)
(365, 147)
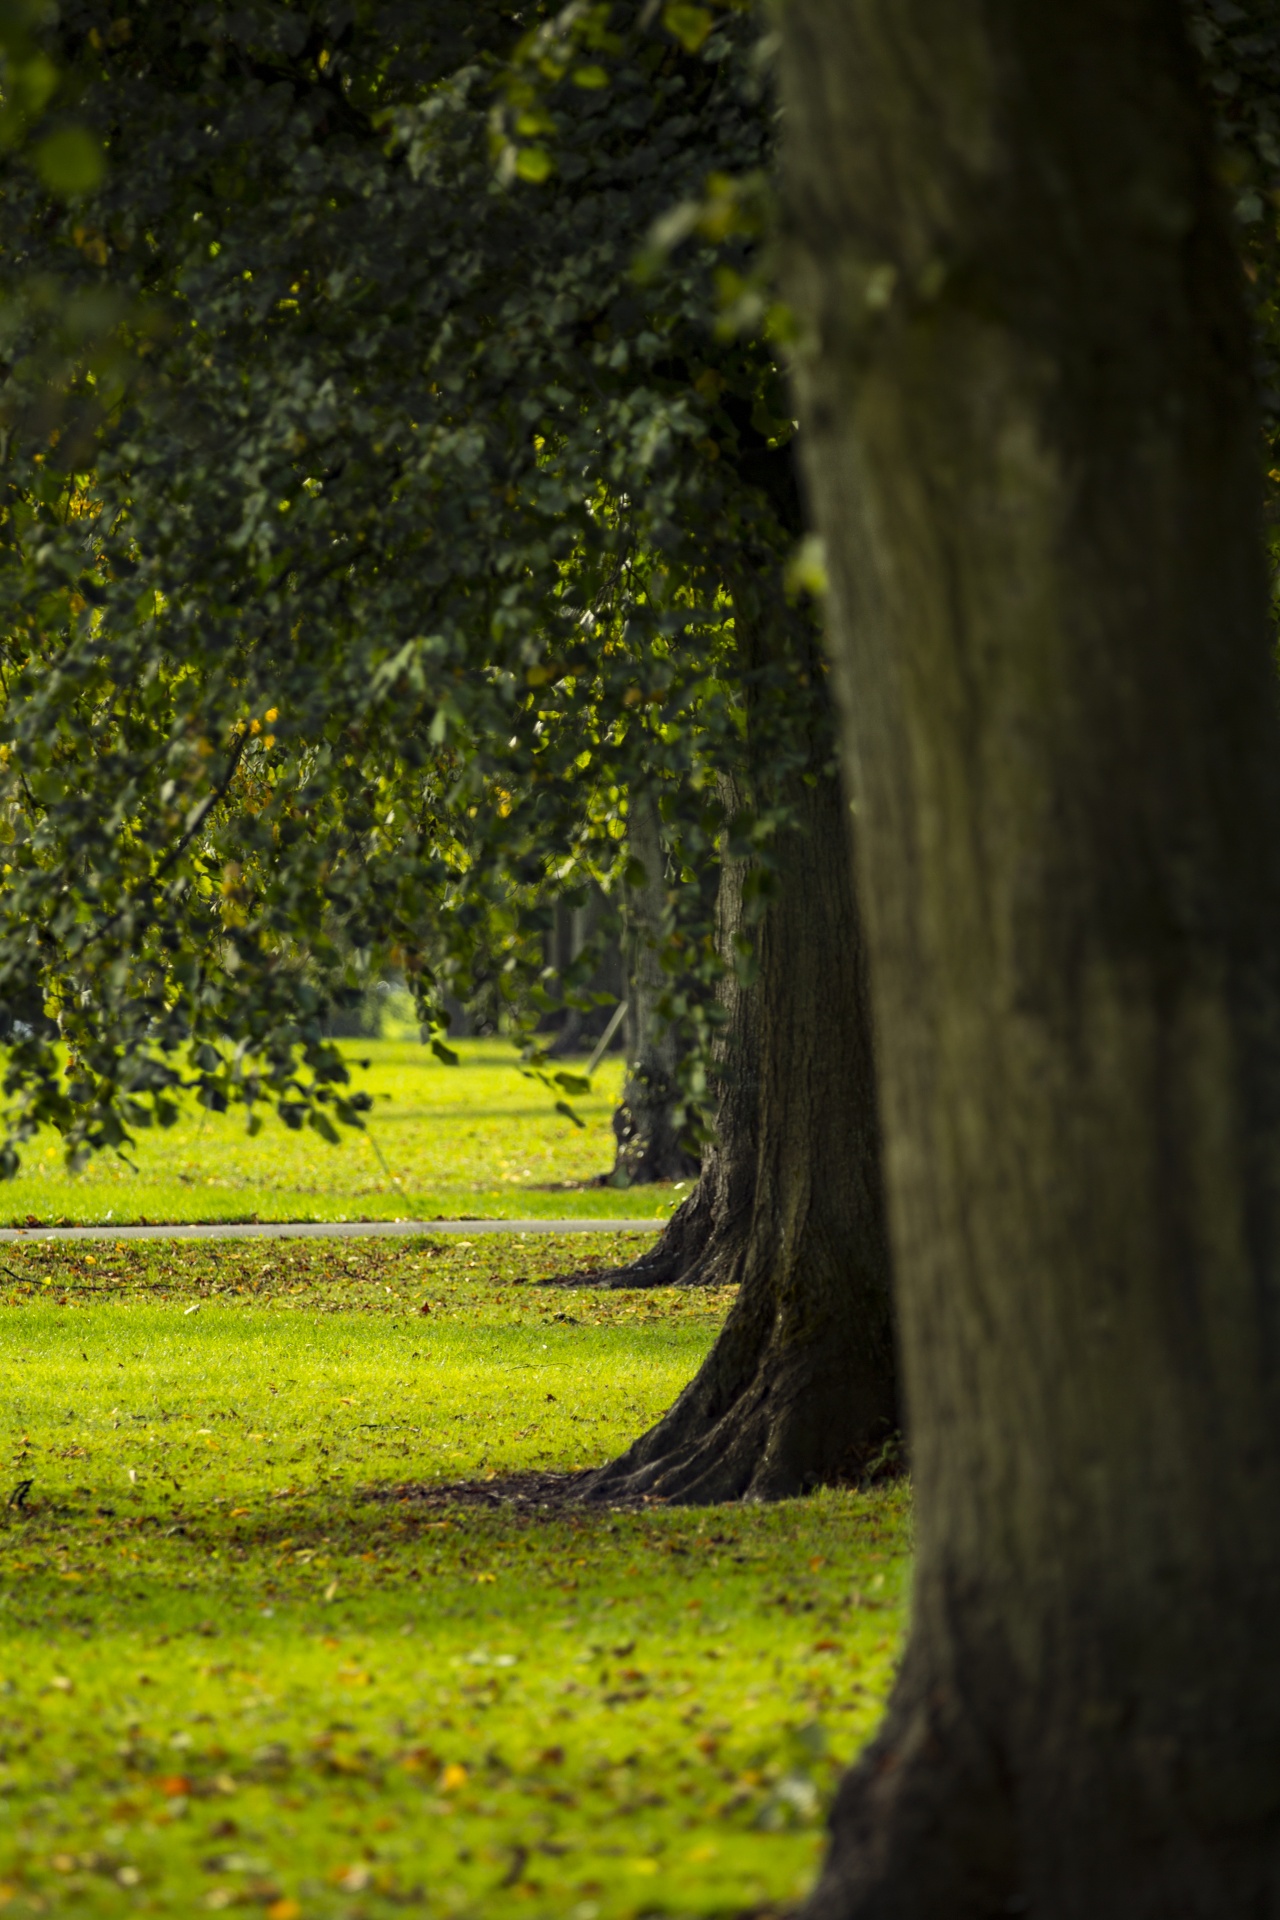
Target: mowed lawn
(251, 1656)
(479, 1139)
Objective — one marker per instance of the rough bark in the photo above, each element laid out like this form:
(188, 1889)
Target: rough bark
(800, 1387)
(648, 1124)
(1024, 399)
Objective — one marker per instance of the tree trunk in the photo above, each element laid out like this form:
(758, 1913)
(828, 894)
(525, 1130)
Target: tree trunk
(1024, 394)
(800, 1387)
(648, 1124)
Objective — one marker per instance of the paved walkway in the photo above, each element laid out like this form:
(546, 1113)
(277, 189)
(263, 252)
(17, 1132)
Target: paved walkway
(325, 1229)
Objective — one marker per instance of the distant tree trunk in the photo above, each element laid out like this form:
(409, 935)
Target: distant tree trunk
(649, 1123)
(800, 1387)
(574, 929)
(1023, 382)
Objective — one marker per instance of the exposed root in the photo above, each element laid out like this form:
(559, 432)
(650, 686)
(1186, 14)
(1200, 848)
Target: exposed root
(766, 1417)
(696, 1248)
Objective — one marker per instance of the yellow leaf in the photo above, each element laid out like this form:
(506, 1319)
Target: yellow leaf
(453, 1777)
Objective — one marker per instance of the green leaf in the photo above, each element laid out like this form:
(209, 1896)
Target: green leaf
(807, 568)
(534, 164)
(70, 161)
(562, 1106)
(690, 25)
(590, 77)
(444, 1053)
(33, 82)
(572, 1083)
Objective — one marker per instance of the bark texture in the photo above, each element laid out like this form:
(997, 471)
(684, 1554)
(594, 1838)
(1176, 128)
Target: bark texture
(1024, 397)
(648, 1124)
(800, 1388)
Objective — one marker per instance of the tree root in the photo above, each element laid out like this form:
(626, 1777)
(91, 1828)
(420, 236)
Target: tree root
(765, 1418)
(694, 1249)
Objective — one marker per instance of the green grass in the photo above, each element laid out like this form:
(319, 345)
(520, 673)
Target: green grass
(237, 1667)
(479, 1139)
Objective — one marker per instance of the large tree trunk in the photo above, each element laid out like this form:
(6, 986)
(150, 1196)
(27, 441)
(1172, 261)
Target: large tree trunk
(1024, 390)
(649, 1122)
(800, 1388)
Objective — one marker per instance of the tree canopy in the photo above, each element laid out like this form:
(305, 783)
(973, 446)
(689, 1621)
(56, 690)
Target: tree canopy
(372, 526)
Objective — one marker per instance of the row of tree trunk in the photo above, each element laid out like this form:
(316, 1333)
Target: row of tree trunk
(1024, 385)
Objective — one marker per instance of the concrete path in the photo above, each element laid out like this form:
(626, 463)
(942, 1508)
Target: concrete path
(325, 1229)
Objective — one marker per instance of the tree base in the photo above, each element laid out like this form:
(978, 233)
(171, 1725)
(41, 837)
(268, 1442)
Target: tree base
(650, 1145)
(694, 1249)
(767, 1416)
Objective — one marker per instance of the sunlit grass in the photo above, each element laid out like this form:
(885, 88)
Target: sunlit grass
(479, 1139)
(239, 1668)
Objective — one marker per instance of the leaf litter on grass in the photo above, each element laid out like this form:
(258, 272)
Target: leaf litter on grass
(255, 1653)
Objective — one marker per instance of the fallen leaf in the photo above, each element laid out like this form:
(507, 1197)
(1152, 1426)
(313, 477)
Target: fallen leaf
(351, 1879)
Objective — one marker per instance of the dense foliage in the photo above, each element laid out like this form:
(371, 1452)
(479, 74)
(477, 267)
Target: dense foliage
(387, 530)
